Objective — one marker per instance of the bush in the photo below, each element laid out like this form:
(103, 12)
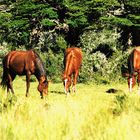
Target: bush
(51, 47)
(98, 64)
(3, 51)
(54, 64)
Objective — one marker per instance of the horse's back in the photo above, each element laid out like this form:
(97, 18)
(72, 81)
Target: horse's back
(136, 58)
(18, 61)
(76, 54)
(77, 51)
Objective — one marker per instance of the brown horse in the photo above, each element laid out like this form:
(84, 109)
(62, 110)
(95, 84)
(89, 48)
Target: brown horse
(24, 63)
(134, 68)
(72, 63)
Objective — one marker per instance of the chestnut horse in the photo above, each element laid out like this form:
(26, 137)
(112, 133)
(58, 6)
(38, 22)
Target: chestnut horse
(24, 63)
(72, 63)
(134, 68)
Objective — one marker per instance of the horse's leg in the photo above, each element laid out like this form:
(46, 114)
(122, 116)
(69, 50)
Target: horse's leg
(7, 87)
(75, 81)
(9, 84)
(41, 95)
(13, 77)
(27, 83)
(138, 82)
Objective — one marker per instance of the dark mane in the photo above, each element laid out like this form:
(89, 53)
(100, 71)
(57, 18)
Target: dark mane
(40, 68)
(130, 63)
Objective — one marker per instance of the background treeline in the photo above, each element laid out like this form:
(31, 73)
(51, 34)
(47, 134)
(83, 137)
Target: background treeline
(106, 30)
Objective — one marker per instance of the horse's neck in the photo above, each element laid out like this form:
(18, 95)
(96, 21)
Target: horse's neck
(39, 77)
(40, 70)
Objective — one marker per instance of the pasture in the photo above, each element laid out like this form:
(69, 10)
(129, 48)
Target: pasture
(91, 114)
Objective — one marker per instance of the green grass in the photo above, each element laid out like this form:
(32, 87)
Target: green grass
(91, 114)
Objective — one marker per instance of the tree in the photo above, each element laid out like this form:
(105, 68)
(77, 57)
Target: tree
(126, 17)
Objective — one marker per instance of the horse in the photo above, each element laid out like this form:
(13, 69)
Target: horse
(133, 69)
(72, 63)
(24, 63)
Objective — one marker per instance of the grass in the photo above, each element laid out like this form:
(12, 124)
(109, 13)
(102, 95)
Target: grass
(90, 114)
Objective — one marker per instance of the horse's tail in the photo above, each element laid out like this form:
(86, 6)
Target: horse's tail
(4, 76)
(131, 64)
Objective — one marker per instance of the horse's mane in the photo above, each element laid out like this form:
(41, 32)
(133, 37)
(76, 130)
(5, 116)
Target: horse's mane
(130, 63)
(39, 64)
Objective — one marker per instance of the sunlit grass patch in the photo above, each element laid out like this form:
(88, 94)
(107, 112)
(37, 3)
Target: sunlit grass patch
(91, 113)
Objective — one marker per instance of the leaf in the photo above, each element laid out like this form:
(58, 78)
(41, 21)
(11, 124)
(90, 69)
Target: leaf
(49, 12)
(116, 20)
(48, 22)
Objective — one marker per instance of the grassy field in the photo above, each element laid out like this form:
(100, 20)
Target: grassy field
(91, 114)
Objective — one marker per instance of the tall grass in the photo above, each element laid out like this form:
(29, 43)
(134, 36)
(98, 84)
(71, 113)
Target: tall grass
(90, 114)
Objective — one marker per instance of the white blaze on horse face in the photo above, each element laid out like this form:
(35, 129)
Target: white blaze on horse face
(65, 81)
(130, 89)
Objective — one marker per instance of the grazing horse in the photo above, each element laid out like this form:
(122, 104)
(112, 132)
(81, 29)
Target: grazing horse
(72, 63)
(24, 63)
(134, 69)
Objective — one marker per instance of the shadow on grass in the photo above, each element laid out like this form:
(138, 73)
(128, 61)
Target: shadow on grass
(114, 91)
(57, 92)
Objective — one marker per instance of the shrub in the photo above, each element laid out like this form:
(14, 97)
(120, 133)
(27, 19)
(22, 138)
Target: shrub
(3, 51)
(103, 57)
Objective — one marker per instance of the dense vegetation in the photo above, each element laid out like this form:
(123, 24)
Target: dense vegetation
(104, 29)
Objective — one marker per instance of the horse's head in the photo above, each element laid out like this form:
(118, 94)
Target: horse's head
(43, 86)
(67, 83)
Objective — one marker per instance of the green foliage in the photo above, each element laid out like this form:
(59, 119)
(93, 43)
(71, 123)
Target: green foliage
(99, 61)
(47, 22)
(4, 17)
(118, 21)
(50, 12)
(121, 102)
(97, 64)
(92, 40)
(54, 65)
(31, 14)
(41, 25)
(76, 14)
(3, 51)
(23, 16)
(132, 3)
(60, 41)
